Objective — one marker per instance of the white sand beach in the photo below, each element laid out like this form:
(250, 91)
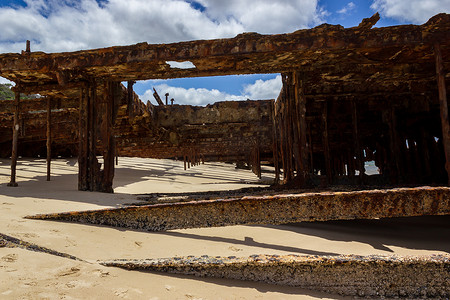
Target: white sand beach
(25, 274)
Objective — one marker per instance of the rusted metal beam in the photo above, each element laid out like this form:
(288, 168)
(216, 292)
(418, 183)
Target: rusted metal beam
(279, 209)
(16, 128)
(130, 98)
(443, 107)
(357, 143)
(300, 104)
(12, 242)
(107, 137)
(275, 146)
(49, 137)
(83, 140)
(51, 88)
(246, 53)
(371, 276)
(93, 165)
(157, 97)
(326, 144)
(394, 143)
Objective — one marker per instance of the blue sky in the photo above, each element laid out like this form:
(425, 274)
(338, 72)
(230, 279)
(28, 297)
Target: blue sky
(69, 25)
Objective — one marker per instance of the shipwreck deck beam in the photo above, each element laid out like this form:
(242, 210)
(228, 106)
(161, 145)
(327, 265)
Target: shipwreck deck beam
(277, 209)
(247, 53)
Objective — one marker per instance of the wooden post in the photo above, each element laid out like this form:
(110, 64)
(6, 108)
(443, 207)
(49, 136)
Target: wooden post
(443, 107)
(325, 142)
(49, 137)
(16, 128)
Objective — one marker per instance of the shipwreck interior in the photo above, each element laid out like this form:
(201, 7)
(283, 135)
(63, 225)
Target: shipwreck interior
(349, 96)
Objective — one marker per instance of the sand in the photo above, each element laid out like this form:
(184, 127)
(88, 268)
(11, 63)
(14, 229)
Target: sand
(32, 275)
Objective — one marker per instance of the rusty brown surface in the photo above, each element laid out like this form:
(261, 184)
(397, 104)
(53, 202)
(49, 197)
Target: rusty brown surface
(377, 87)
(223, 131)
(327, 51)
(278, 209)
(374, 276)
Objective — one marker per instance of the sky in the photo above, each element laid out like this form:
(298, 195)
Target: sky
(69, 25)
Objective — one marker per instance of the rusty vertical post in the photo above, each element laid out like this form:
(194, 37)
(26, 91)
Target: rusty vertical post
(425, 153)
(107, 136)
(416, 161)
(83, 140)
(16, 128)
(310, 150)
(282, 129)
(443, 107)
(350, 164)
(301, 115)
(357, 143)
(256, 160)
(294, 121)
(396, 176)
(117, 155)
(275, 143)
(92, 152)
(189, 158)
(325, 142)
(130, 98)
(288, 128)
(49, 137)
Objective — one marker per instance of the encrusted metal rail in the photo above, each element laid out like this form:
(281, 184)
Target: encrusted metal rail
(12, 242)
(278, 209)
(351, 275)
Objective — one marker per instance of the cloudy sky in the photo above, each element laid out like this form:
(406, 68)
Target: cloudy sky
(68, 25)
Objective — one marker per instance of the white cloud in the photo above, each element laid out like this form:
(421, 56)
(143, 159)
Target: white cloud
(346, 9)
(416, 11)
(191, 96)
(4, 80)
(267, 16)
(260, 90)
(264, 89)
(55, 26)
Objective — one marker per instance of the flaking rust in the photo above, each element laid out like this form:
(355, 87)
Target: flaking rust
(351, 275)
(278, 209)
(350, 96)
